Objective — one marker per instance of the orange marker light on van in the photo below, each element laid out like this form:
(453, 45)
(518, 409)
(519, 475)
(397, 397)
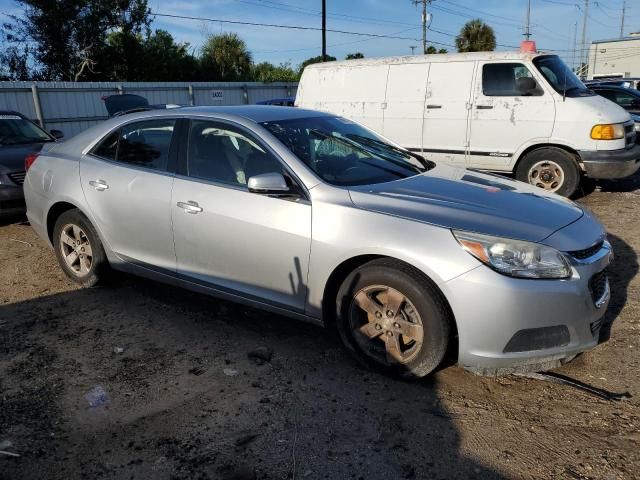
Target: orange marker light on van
(608, 131)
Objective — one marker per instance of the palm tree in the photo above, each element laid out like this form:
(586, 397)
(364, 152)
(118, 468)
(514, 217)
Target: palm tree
(225, 57)
(476, 36)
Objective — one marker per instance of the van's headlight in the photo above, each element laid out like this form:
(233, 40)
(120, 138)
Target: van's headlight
(613, 131)
(514, 257)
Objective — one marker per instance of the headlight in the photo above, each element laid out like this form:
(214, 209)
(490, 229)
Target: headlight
(514, 257)
(613, 131)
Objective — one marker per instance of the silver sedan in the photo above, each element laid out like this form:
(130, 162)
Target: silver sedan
(316, 217)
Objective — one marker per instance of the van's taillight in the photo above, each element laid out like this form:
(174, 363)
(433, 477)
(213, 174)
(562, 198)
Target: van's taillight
(28, 160)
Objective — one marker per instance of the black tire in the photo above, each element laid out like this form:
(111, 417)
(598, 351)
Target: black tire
(547, 161)
(420, 295)
(94, 268)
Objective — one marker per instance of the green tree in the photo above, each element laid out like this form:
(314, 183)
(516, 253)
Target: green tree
(267, 72)
(313, 60)
(431, 50)
(354, 56)
(65, 39)
(476, 36)
(225, 58)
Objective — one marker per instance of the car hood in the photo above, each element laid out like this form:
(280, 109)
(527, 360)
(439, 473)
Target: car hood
(12, 156)
(604, 110)
(461, 199)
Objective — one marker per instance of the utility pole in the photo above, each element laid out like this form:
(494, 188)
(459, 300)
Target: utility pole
(624, 7)
(527, 29)
(413, 49)
(324, 30)
(583, 42)
(424, 22)
(575, 40)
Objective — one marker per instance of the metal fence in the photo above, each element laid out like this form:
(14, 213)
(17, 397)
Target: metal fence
(75, 106)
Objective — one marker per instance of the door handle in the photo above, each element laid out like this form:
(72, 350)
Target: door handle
(484, 107)
(99, 185)
(434, 106)
(190, 207)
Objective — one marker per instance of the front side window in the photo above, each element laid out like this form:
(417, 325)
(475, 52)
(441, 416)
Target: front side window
(344, 153)
(144, 143)
(15, 130)
(221, 153)
(508, 80)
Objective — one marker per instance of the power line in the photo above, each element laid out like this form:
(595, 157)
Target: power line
(275, 25)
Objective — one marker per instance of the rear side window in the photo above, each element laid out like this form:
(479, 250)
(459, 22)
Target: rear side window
(145, 144)
(508, 80)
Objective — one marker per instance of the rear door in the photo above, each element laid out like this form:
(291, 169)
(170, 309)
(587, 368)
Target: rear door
(404, 109)
(127, 180)
(446, 114)
(505, 117)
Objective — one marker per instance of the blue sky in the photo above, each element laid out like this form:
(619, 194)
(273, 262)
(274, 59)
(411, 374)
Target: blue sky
(552, 21)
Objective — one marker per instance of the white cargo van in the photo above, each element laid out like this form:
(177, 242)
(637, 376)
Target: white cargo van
(497, 111)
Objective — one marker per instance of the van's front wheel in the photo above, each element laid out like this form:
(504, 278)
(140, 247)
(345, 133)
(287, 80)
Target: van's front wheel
(550, 168)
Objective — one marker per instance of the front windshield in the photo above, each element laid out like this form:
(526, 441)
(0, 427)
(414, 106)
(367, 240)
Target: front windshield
(560, 76)
(344, 153)
(15, 130)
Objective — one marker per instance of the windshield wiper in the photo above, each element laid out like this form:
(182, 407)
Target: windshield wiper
(363, 148)
(427, 164)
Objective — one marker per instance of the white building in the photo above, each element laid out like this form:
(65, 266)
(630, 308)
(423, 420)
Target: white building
(615, 57)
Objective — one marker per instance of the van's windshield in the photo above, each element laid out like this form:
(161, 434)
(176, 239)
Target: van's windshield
(343, 153)
(560, 76)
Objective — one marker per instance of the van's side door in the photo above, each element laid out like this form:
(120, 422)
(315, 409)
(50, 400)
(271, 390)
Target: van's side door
(446, 113)
(506, 115)
(404, 104)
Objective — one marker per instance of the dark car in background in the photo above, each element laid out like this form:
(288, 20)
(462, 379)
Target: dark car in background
(281, 102)
(627, 98)
(19, 138)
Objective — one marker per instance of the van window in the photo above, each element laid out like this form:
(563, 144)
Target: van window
(507, 80)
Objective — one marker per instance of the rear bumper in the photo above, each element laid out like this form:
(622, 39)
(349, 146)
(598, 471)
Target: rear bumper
(611, 164)
(11, 200)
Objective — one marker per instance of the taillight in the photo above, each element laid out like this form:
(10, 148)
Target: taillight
(28, 160)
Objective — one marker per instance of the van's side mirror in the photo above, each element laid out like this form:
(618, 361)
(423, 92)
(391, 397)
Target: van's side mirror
(269, 184)
(57, 134)
(526, 85)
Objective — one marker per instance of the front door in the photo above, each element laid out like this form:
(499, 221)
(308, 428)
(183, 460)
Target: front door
(127, 183)
(506, 115)
(229, 238)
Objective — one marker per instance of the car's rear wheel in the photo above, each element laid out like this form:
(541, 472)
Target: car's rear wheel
(78, 249)
(392, 318)
(550, 168)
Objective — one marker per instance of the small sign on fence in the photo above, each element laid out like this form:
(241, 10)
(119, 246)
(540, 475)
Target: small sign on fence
(217, 95)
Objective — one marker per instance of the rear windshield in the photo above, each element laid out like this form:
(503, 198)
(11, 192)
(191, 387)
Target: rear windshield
(15, 130)
(343, 153)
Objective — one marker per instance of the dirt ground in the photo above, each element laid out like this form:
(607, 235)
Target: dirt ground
(310, 412)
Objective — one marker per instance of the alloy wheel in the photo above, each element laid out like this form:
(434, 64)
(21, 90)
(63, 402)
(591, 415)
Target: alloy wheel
(385, 324)
(76, 249)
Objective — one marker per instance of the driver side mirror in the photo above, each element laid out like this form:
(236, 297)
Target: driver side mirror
(269, 184)
(57, 134)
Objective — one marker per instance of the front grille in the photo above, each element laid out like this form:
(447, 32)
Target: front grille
(587, 252)
(17, 177)
(598, 286)
(630, 134)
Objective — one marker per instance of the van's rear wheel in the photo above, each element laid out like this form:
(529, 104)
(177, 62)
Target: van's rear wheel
(392, 318)
(550, 168)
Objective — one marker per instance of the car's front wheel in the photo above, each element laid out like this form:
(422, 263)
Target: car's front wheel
(392, 318)
(78, 249)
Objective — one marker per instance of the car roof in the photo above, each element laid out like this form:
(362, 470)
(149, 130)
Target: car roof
(11, 112)
(255, 113)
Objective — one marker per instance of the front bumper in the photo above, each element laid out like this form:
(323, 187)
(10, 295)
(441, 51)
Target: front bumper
(611, 164)
(509, 325)
(11, 198)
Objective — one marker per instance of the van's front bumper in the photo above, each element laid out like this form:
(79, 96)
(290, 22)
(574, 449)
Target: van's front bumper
(509, 325)
(611, 163)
